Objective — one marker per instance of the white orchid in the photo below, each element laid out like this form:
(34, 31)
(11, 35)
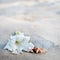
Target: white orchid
(18, 42)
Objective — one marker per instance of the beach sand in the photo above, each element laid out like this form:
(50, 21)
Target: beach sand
(34, 19)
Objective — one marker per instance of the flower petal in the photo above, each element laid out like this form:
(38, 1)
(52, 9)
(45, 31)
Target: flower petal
(17, 43)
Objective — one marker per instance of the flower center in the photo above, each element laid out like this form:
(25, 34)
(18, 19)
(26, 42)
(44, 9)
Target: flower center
(17, 42)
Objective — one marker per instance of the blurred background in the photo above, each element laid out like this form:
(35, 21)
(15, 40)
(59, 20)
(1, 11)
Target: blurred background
(36, 18)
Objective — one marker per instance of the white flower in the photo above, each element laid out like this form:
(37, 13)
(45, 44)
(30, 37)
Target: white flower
(18, 42)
